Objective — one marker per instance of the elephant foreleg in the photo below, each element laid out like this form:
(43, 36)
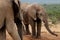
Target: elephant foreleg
(11, 28)
(19, 27)
(27, 29)
(32, 23)
(3, 31)
(38, 28)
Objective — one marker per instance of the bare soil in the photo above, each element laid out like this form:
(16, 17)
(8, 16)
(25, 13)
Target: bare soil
(44, 35)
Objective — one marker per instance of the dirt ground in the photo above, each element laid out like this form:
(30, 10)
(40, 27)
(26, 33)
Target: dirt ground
(44, 35)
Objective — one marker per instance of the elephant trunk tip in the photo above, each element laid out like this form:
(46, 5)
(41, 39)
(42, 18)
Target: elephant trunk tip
(56, 35)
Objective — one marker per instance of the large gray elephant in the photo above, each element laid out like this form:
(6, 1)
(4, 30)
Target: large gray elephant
(34, 14)
(9, 9)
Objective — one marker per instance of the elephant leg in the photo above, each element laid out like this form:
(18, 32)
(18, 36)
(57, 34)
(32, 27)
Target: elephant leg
(33, 30)
(32, 23)
(38, 28)
(19, 27)
(24, 30)
(11, 28)
(3, 32)
(27, 29)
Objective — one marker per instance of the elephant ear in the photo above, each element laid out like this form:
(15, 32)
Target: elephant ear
(15, 7)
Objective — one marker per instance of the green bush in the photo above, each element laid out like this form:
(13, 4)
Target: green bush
(53, 12)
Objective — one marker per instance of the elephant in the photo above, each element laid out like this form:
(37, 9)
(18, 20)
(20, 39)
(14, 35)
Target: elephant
(23, 6)
(9, 12)
(34, 14)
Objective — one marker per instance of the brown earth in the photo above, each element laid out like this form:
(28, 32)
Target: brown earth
(45, 35)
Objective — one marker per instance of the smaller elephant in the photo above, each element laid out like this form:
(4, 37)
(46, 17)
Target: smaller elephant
(25, 29)
(34, 14)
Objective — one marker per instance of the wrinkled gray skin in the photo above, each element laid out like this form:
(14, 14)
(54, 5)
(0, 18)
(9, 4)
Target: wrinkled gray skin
(34, 14)
(7, 20)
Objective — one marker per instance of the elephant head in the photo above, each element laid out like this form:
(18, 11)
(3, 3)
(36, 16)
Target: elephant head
(41, 13)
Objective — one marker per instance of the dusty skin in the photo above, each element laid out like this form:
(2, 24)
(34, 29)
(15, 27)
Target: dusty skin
(45, 35)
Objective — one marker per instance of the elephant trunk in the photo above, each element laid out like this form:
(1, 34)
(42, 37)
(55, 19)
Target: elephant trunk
(46, 25)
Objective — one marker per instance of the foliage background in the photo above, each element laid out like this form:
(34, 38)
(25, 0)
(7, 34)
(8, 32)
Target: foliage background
(53, 11)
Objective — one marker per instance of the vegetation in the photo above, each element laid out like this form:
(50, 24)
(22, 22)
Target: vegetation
(53, 11)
